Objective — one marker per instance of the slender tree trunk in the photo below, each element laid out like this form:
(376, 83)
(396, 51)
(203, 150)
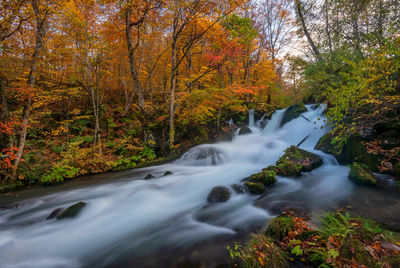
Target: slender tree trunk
(40, 32)
(305, 30)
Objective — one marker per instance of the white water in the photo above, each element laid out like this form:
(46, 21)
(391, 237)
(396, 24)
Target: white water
(136, 216)
(251, 118)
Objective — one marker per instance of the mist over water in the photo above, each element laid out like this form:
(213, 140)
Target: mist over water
(135, 216)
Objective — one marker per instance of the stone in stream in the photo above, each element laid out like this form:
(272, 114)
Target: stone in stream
(219, 194)
(166, 173)
(266, 177)
(245, 130)
(149, 177)
(239, 189)
(71, 211)
(294, 161)
(293, 112)
(361, 175)
(255, 188)
(54, 213)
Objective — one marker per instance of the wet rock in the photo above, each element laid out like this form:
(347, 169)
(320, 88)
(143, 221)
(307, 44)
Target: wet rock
(293, 112)
(396, 170)
(361, 175)
(245, 130)
(149, 177)
(239, 189)
(167, 173)
(219, 194)
(71, 211)
(54, 213)
(352, 151)
(294, 161)
(390, 246)
(255, 188)
(266, 177)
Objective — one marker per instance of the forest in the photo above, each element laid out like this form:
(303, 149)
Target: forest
(236, 103)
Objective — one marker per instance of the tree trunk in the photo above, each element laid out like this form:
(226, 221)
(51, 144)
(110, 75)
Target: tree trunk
(305, 30)
(40, 32)
(173, 83)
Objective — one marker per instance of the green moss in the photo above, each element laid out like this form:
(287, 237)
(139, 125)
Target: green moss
(360, 174)
(355, 249)
(259, 251)
(267, 177)
(254, 188)
(393, 261)
(244, 130)
(396, 170)
(308, 234)
(279, 227)
(71, 211)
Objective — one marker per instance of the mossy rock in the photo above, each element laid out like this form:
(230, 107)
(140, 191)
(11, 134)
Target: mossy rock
(219, 194)
(353, 248)
(352, 151)
(293, 112)
(393, 261)
(71, 211)
(266, 177)
(361, 175)
(54, 213)
(296, 160)
(244, 131)
(279, 227)
(255, 188)
(149, 177)
(308, 234)
(167, 173)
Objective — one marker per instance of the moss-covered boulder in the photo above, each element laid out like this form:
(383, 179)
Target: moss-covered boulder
(266, 177)
(219, 194)
(361, 175)
(279, 227)
(354, 249)
(239, 189)
(293, 112)
(294, 161)
(244, 131)
(71, 211)
(254, 188)
(353, 150)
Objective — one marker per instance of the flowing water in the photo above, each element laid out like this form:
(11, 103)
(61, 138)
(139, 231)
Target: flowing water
(131, 222)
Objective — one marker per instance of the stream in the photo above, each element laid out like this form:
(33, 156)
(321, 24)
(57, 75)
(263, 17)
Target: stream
(166, 221)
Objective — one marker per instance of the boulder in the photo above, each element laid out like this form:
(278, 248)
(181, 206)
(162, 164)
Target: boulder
(254, 188)
(148, 177)
(71, 211)
(166, 173)
(218, 195)
(293, 112)
(245, 130)
(54, 213)
(354, 249)
(294, 161)
(360, 174)
(267, 177)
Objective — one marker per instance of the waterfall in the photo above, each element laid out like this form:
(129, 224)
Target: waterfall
(251, 118)
(132, 217)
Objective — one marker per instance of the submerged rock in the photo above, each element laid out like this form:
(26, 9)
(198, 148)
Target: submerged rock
(54, 213)
(219, 194)
(239, 189)
(360, 174)
(166, 173)
(294, 161)
(71, 211)
(245, 130)
(293, 112)
(149, 177)
(254, 188)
